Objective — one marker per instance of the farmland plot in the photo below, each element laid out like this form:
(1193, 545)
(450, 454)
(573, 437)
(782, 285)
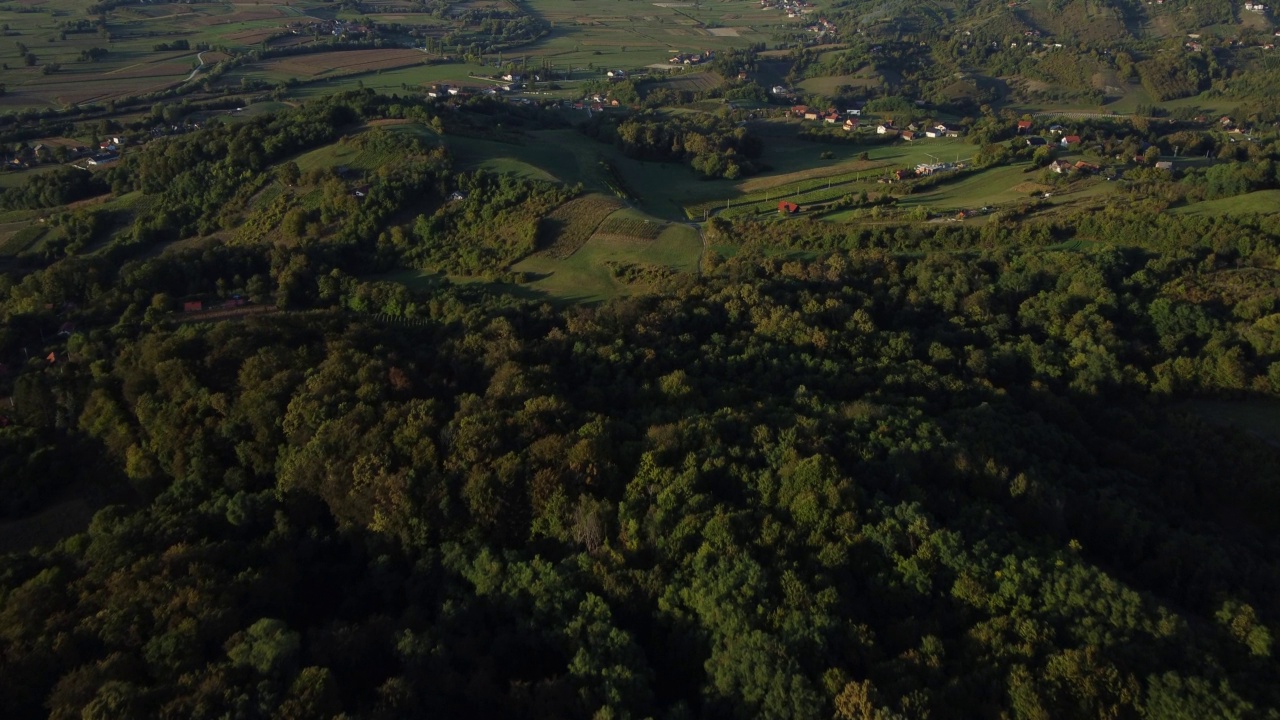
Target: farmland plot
(342, 63)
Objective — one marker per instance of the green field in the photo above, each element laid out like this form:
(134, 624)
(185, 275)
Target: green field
(586, 38)
(605, 33)
(673, 191)
(1265, 202)
(989, 187)
(831, 84)
(14, 178)
(585, 277)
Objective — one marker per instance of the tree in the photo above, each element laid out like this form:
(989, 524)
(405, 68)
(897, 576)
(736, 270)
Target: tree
(268, 646)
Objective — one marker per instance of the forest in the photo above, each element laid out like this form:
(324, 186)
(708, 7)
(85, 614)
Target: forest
(713, 145)
(896, 470)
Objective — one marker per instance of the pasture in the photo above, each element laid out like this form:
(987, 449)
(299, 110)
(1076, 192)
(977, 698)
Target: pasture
(591, 273)
(793, 168)
(1265, 202)
(831, 85)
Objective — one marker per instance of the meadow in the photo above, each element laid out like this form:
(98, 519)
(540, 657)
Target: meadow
(588, 275)
(796, 172)
(1266, 202)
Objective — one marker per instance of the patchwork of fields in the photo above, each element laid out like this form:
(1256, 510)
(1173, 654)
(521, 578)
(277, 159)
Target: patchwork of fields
(593, 247)
(141, 49)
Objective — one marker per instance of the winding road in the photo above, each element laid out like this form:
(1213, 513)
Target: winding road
(198, 68)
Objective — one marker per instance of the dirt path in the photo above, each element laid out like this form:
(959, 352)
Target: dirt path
(697, 268)
(198, 68)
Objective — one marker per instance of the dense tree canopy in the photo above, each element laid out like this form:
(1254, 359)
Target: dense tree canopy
(857, 471)
(855, 486)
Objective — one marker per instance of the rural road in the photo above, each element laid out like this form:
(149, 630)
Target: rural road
(1081, 115)
(198, 68)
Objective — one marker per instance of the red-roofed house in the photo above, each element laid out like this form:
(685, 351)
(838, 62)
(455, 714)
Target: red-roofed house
(788, 208)
(192, 306)
(1070, 140)
(1024, 126)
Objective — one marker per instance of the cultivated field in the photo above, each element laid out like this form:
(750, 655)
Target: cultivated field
(348, 62)
(571, 225)
(589, 34)
(691, 82)
(141, 49)
(50, 60)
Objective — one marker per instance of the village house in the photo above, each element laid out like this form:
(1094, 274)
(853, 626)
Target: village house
(1070, 140)
(1024, 126)
(850, 124)
(951, 131)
